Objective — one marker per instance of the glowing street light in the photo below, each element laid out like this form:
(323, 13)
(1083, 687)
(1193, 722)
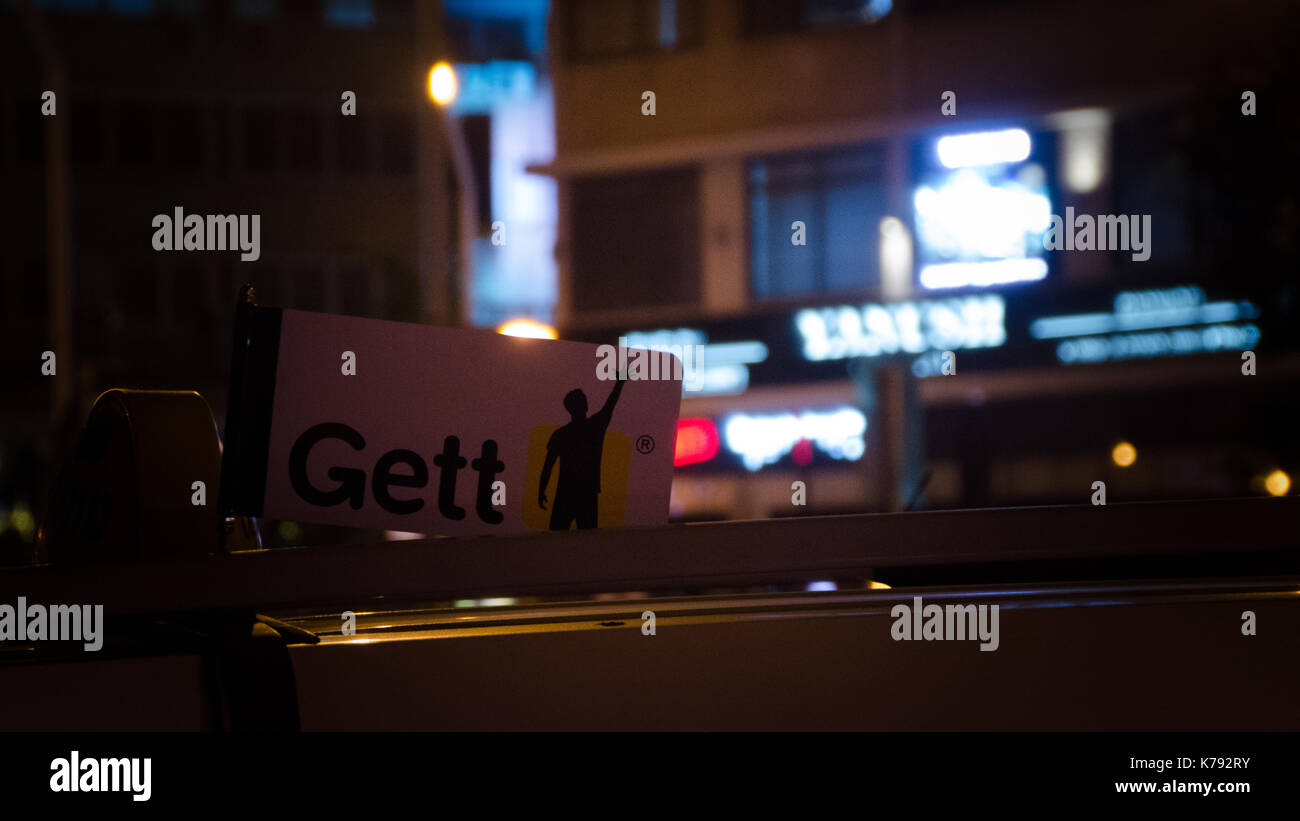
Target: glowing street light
(1124, 454)
(527, 328)
(1277, 483)
(442, 84)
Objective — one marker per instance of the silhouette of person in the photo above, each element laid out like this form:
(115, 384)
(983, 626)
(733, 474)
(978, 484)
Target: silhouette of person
(578, 446)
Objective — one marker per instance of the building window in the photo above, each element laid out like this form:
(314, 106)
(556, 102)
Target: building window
(394, 14)
(477, 39)
(636, 240)
(136, 8)
(350, 13)
(789, 16)
(604, 28)
(814, 221)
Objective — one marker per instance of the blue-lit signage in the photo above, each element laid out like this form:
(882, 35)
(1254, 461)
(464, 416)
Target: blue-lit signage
(1162, 322)
(902, 328)
(993, 331)
(484, 85)
(981, 213)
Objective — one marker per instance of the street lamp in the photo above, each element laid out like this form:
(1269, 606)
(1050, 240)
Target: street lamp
(442, 83)
(527, 328)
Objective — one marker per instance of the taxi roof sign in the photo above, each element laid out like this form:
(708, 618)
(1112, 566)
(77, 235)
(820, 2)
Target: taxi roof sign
(378, 424)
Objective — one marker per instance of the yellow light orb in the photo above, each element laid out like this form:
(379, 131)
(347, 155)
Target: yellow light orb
(1277, 483)
(1124, 454)
(289, 532)
(23, 521)
(442, 83)
(527, 328)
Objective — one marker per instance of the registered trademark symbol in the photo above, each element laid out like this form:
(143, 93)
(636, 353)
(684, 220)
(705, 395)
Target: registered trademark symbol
(645, 443)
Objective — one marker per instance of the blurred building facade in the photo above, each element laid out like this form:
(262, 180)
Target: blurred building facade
(216, 107)
(764, 177)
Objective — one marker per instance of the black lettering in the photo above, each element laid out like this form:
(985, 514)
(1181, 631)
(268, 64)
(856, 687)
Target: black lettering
(383, 478)
(450, 461)
(352, 481)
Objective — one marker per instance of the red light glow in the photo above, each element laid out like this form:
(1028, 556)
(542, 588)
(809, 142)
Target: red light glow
(697, 441)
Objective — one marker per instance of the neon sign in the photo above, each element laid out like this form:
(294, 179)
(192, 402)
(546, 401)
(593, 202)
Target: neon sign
(763, 439)
(1151, 323)
(697, 441)
(902, 328)
(980, 220)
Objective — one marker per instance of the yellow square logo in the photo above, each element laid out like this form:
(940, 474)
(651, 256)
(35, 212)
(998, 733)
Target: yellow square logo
(568, 503)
